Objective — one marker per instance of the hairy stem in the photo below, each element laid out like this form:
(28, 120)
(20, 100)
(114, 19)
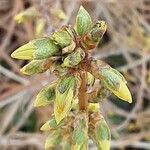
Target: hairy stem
(83, 101)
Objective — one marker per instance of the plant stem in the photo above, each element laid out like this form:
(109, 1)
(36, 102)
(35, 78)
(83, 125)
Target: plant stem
(83, 101)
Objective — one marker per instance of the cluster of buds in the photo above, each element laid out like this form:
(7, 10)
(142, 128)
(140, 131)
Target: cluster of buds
(82, 83)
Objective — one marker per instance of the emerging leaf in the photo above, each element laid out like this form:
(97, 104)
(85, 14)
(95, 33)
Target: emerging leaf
(64, 96)
(74, 58)
(53, 139)
(80, 133)
(36, 66)
(62, 37)
(36, 49)
(98, 31)
(83, 21)
(93, 107)
(112, 80)
(92, 38)
(99, 131)
(50, 125)
(45, 96)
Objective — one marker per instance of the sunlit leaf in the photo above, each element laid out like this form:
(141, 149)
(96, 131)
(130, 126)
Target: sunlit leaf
(111, 79)
(64, 97)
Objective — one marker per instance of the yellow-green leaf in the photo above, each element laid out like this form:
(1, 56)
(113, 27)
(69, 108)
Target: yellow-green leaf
(36, 66)
(45, 96)
(50, 125)
(80, 133)
(36, 49)
(64, 97)
(99, 131)
(83, 21)
(62, 37)
(111, 79)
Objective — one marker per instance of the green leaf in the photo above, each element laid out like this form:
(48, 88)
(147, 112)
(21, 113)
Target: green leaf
(99, 131)
(62, 37)
(98, 30)
(36, 49)
(64, 96)
(74, 58)
(45, 96)
(83, 21)
(111, 79)
(50, 125)
(94, 35)
(36, 66)
(80, 133)
(53, 139)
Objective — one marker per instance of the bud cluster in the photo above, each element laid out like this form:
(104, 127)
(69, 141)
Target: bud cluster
(82, 84)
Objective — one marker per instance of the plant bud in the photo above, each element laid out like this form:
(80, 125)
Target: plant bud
(99, 131)
(93, 107)
(50, 125)
(45, 96)
(64, 96)
(80, 133)
(83, 21)
(74, 58)
(91, 40)
(62, 37)
(36, 66)
(36, 49)
(111, 79)
(26, 14)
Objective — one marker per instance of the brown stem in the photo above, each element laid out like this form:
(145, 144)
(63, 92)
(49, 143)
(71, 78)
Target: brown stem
(83, 101)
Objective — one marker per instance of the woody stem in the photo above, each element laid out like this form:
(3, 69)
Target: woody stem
(83, 101)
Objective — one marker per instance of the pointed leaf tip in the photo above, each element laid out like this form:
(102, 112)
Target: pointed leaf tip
(24, 52)
(83, 21)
